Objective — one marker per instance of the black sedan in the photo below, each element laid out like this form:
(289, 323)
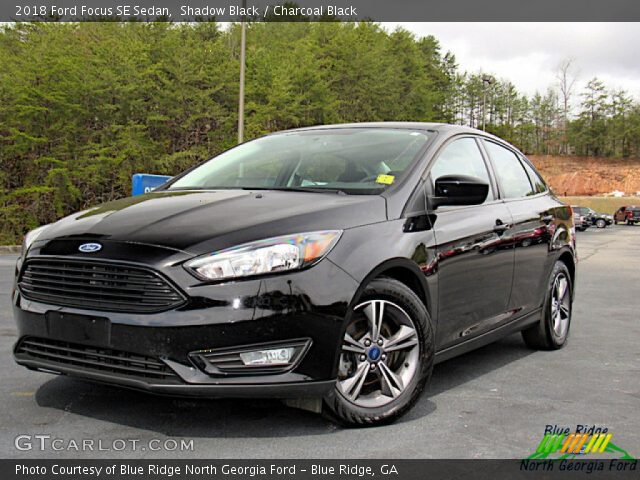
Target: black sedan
(590, 217)
(333, 265)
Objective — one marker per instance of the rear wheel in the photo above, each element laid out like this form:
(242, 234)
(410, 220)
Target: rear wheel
(386, 356)
(552, 331)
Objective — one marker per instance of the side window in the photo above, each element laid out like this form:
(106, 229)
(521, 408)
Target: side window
(512, 178)
(538, 184)
(461, 157)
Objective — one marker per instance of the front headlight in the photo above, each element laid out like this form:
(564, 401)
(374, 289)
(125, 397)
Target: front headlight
(31, 237)
(278, 254)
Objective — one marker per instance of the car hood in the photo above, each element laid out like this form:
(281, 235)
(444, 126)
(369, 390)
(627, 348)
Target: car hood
(199, 222)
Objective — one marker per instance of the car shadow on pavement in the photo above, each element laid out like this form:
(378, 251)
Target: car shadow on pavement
(246, 418)
(180, 417)
(470, 366)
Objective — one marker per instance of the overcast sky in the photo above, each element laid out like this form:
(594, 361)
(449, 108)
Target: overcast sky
(528, 54)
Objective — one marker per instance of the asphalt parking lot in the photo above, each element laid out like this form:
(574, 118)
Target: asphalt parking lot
(491, 403)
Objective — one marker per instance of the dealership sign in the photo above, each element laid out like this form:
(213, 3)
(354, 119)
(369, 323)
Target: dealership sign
(144, 183)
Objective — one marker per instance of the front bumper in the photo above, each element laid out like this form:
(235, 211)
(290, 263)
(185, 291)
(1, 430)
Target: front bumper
(307, 389)
(310, 304)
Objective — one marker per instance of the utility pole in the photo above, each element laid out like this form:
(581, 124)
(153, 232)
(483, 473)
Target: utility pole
(486, 81)
(243, 49)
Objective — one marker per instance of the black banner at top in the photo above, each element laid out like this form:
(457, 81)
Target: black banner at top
(338, 10)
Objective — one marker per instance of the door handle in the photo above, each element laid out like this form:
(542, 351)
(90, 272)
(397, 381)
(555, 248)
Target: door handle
(500, 227)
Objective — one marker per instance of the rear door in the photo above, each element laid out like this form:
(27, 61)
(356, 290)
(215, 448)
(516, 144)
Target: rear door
(474, 263)
(533, 212)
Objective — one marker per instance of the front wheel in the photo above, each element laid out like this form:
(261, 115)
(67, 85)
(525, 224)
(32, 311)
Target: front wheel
(386, 356)
(601, 223)
(552, 331)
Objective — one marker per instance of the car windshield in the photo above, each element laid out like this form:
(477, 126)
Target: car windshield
(350, 160)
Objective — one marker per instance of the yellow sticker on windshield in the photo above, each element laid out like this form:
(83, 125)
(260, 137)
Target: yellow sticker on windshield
(385, 179)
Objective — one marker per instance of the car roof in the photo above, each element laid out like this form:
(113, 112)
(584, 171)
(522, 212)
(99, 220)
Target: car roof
(431, 126)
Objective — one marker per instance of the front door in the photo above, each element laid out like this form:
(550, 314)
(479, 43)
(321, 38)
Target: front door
(474, 252)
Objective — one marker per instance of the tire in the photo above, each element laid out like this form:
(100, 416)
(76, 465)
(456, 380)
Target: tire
(370, 396)
(552, 332)
(601, 223)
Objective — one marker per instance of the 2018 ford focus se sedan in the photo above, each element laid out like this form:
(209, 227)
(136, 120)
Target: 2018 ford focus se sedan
(335, 262)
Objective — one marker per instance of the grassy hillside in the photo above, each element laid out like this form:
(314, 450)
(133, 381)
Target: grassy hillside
(601, 204)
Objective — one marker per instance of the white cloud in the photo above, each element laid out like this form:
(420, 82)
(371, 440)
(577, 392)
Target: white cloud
(528, 54)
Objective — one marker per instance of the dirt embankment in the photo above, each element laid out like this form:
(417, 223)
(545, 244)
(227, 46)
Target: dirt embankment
(589, 175)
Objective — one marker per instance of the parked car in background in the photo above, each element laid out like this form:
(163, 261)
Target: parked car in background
(591, 217)
(581, 217)
(629, 215)
(601, 220)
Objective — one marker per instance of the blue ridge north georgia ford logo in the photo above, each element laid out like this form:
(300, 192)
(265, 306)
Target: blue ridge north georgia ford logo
(90, 247)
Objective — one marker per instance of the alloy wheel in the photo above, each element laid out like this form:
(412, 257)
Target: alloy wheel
(560, 305)
(380, 354)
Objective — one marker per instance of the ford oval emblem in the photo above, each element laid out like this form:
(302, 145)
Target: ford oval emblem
(90, 247)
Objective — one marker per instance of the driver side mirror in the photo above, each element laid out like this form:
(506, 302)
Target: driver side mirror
(459, 190)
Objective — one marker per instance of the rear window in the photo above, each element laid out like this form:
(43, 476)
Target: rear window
(536, 180)
(512, 177)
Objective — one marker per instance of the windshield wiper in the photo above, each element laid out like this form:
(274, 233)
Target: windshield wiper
(181, 189)
(281, 189)
(299, 189)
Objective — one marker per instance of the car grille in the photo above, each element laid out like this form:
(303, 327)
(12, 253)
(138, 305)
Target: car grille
(116, 362)
(97, 285)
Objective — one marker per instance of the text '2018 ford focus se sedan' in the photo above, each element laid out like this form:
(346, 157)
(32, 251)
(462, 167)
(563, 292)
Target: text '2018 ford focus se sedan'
(335, 263)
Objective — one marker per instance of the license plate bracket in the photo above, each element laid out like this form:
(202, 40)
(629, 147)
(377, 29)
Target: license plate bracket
(75, 328)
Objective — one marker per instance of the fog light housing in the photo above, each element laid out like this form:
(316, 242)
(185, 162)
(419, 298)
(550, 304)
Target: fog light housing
(274, 356)
(256, 359)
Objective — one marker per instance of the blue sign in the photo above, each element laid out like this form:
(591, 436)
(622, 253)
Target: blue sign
(144, 183)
